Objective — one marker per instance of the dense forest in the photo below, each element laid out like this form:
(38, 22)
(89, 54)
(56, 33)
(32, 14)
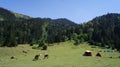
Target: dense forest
(103, 31)
(106, 30)
(20, 29)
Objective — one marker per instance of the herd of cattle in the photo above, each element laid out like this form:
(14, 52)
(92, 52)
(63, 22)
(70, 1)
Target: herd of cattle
(45, 55)
(36, 57)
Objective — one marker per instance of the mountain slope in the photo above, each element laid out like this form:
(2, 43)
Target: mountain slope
(6, 14)
(106, 30)
(10, 15)
(18, 29)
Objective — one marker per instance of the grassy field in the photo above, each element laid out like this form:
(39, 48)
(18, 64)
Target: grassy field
(64, 54)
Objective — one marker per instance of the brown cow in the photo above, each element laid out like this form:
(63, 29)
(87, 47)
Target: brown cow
(46, 55)
(36, 57)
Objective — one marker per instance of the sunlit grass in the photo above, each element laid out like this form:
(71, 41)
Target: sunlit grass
(63, 54)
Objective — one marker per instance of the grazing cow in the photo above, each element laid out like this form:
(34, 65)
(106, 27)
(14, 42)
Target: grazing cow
(46, 55)
(24, 51)
(36, 57)
(98, 55)
(13, 57)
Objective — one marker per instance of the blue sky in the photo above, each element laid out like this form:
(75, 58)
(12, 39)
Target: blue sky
(78, 11)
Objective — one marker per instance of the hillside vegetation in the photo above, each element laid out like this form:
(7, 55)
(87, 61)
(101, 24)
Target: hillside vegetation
(63, 54)
(105, 31)
(17, 29)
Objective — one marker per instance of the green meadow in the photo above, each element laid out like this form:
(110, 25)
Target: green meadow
(63, 54)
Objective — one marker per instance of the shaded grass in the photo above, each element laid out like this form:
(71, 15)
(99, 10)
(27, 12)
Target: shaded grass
(64, 54)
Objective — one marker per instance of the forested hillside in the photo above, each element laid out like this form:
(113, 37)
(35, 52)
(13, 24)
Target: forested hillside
(17, 29)
(9, 15)
(104, 31)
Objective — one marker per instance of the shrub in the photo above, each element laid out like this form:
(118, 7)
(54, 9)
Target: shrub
(44, 47)
(31, 44)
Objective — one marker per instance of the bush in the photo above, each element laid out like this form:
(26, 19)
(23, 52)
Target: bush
(31, 44)
(44, 47)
